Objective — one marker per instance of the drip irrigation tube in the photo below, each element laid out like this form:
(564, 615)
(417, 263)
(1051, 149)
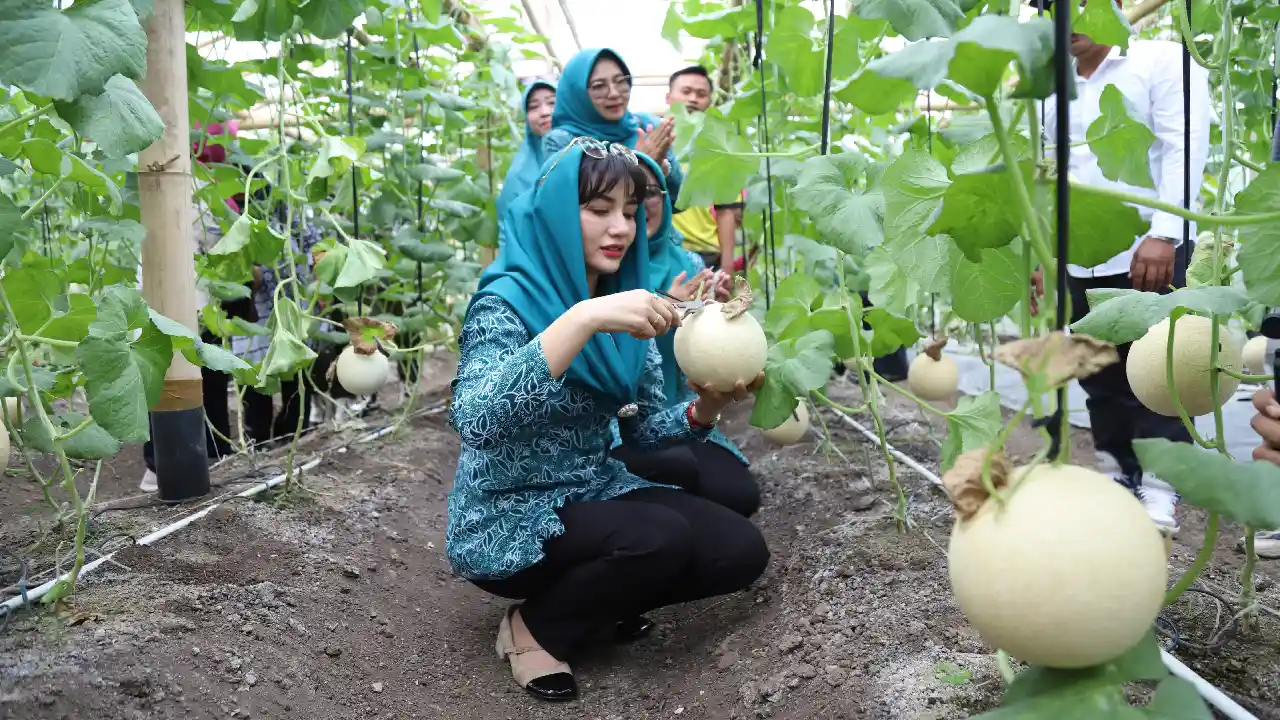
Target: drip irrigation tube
(30, 596)
(1212, 695)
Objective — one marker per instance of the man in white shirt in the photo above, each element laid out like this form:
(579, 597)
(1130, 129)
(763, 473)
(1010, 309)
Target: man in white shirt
(1149, 76)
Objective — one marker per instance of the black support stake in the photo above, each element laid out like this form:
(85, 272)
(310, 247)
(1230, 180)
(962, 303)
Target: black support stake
(770, 260)
(1063, 69)
(355, 176)
(826, 87)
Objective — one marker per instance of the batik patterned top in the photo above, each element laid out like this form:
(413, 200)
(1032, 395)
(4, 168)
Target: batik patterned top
(532, 443)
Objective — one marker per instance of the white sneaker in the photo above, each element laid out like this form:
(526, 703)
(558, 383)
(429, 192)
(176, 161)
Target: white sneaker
(1266, 544)
(1161, 502)
(1109, 466)
(148, 484)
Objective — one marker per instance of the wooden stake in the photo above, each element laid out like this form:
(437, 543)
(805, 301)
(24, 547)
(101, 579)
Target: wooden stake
(168, 257)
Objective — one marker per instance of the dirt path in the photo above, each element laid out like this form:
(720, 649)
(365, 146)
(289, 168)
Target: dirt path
(341, 604)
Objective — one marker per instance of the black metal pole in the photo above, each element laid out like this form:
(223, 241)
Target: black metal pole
(355, 176)
(1063, 69)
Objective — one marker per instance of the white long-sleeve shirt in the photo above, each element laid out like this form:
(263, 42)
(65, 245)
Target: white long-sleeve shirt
(1149, 75)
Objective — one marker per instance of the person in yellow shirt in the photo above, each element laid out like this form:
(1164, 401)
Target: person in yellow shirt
(709, 232)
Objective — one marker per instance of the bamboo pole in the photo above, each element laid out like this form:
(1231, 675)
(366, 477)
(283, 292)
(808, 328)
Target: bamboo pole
(168, 258)
(1143, 9)
(536, 23)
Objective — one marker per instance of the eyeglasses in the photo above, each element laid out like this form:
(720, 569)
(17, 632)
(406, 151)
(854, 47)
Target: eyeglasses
(597, 149)
(654, 191)
(600, 88)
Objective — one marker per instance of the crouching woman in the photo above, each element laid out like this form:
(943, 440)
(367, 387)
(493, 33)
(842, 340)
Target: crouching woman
(556, 343)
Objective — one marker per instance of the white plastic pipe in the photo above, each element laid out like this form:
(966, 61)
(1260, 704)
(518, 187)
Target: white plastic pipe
(1211, 694)
(34, 594)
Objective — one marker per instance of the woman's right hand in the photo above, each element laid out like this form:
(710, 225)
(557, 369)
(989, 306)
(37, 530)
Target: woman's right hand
(638, 313)
(657, 140)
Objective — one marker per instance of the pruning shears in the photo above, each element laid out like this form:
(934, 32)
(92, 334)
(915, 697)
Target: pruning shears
(689, 307)
(686, 307)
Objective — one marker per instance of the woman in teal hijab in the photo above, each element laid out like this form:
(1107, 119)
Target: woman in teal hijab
(557, 342)
(592, 101)
(539, 103)
(714, 470)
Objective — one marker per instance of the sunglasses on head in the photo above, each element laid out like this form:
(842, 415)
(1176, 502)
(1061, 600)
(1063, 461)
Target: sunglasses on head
(597, 149)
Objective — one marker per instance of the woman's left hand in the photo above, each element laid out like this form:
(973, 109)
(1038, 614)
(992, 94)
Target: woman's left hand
(710, 401)
(724, 286)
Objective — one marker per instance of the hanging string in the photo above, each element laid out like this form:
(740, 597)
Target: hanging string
(826, 88)
(355, 176)
(928, 139)
(771, 260)
(417, 52)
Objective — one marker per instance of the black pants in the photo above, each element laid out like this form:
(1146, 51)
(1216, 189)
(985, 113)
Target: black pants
(260, 418)
(702, 468)
(1116, 417)
(624, 557)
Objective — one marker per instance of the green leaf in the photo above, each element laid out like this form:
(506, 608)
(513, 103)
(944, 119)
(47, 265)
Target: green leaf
(1120, 143)
(11, 223)
(1103, 23)
(976, 213)
(336, 157)
(1177, 699)
(453, 207)
(889, 332)
(435, 173)
(846, 217)
(91, 443)
(875, 94)
(73, 325)
(63, 54)
(286, 355)
(31, 293)
(1129, 314)
(977, 57)
(989, 289)
(1087, 694)
(793, 369)
(198, 352)
(329, 18)
(913, 187)
(727, 23)
(362, 263)
(914, 19)
(1259, 262)
(793, 300)
(428, 252)
(123, 380)
(1247, 492)
(259, 244)
(263, 19)
(790, 47)
(974, 424)
(120, 310)
(120, 120)
(1101, 226)
(718, 170)
(984, 152)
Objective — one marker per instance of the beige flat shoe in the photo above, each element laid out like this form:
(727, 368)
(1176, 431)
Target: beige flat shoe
(555, 684)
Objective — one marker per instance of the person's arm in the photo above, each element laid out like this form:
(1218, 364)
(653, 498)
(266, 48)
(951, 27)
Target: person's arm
(554, 142)
(727, 222)
(655, 425)
(505, 378)
(1168, 124)
(1267, 424)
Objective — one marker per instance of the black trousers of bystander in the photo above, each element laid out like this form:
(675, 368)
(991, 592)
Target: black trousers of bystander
(620, 558)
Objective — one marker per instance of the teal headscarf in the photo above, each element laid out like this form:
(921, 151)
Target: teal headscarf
(574, 112)
(667, 259)
(529, 158)
(541, 273)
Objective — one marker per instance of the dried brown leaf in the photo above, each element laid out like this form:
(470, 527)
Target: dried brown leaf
(741, 301)
(363, 332)
(934, 348)
(963, 481)
(1058, 357)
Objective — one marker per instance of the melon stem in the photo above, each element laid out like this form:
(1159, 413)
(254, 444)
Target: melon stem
(1173, 389)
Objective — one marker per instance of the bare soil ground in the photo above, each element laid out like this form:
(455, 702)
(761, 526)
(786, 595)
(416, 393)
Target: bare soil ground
(338, 602)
